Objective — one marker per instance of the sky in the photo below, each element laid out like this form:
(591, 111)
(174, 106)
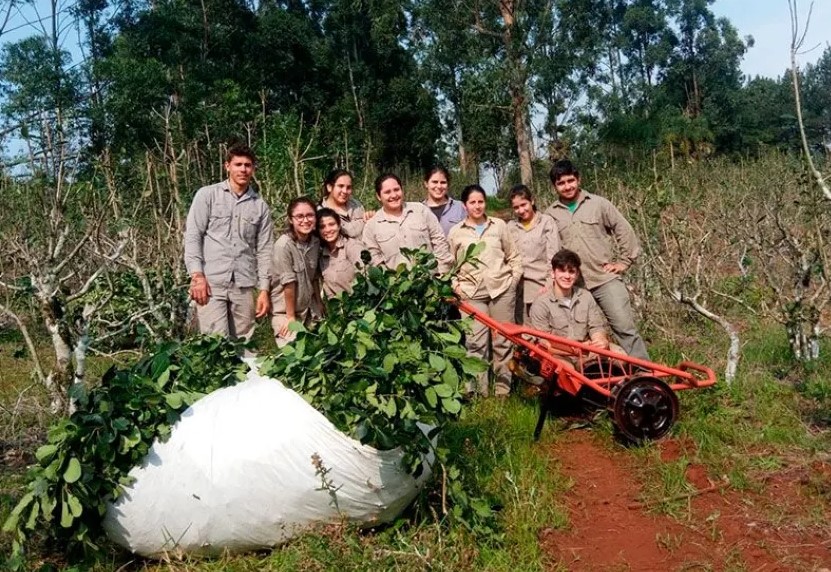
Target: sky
(768, 21)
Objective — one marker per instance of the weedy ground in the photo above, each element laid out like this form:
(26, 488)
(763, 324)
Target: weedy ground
(772, 420)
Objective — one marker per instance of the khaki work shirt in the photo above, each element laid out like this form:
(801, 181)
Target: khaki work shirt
(229, 238)
(339, 265)
(577, 322)
(296, 262)
(596, 231)
(417, 227)
(537, 245)
(351, 221)
(500, 263)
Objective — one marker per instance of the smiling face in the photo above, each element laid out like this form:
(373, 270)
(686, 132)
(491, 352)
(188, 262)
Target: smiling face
(436, 187)
(564, 280)
(340, 192)
(475, 205)
(523, 209)
(568, 188)
(329, 229)
(302, 220)
(391, 196)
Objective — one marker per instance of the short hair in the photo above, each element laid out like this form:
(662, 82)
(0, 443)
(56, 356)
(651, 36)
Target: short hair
(239, 150)
(379, 181)
(470, 189)
(562, 168)
(565, 259)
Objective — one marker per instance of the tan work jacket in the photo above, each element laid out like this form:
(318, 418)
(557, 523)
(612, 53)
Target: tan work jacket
(577, 322)
(384, 236)
(598, 233)
(295, 262)
(500, 263)
(351, 221)
(537, 245)
(339, 265)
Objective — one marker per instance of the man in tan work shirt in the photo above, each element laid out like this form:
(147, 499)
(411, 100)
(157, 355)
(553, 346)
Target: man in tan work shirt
(592, 227)
(228, 238)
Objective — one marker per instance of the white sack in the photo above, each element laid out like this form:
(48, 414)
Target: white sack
(237, 475)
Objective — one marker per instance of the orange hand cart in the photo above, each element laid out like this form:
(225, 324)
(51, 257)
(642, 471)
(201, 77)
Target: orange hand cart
(640, 394)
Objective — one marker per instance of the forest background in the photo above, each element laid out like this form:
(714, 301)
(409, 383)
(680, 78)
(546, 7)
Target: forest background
(103, 153)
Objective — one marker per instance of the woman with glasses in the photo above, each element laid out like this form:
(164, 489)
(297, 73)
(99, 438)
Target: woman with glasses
(337, 195)
(294, 278)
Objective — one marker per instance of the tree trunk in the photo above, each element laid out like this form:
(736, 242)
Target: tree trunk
(517, 74)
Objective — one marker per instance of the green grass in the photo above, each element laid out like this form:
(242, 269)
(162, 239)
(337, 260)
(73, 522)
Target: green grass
(764, 423)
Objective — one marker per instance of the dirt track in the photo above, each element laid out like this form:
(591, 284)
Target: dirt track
(611, 530)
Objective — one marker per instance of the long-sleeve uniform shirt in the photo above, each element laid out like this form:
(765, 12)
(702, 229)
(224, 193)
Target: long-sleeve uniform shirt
(537, 244)
(296, 262)
(598, 233)
(500, 263)
(384, 236)
(351, 221)
(339, 265)
(229, 238)
(577, 319)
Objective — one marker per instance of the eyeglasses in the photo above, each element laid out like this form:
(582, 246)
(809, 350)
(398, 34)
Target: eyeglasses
(304, 217)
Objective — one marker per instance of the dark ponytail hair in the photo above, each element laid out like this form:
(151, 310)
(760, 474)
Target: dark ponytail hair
(523, 192)
(470, 189)
(332, 178)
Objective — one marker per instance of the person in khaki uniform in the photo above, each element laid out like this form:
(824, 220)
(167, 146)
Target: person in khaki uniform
(337, 195)
(592, 227)
(227, 241)
(294, 290)
(340, 256)
(567, 310)
(399, 224)
(490, 285)
(538, 240)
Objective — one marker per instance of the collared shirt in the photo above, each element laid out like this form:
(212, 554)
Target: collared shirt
(339, 265)
(577, 321)
(537, 244)
(598, 233)
(351, 221)
(417, 227)
(297, 262)
(229, 238)
(452, 214)
(500, 263)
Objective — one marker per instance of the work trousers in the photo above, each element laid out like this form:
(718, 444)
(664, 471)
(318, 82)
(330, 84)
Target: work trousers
(230, 311)
(500, 309)
(613, 299)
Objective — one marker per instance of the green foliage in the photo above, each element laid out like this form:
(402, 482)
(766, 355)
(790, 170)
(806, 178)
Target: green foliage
(85, 462)
(385, 360)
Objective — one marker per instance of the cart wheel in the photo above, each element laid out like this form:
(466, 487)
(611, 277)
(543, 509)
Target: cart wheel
(644, 408)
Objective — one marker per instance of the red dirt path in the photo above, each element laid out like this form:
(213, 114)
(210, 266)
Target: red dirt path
(725, 530)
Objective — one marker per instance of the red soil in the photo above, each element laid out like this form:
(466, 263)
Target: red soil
(611, 530)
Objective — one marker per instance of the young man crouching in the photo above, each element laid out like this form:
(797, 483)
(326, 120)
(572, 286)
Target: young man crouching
(567, 310)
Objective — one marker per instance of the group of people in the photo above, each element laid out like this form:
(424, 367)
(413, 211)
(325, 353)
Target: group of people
(558, 271)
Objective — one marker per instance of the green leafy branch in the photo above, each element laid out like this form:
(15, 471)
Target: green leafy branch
(85, 463)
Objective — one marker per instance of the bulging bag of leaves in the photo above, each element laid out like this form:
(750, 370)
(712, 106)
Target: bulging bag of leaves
(248, 467)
